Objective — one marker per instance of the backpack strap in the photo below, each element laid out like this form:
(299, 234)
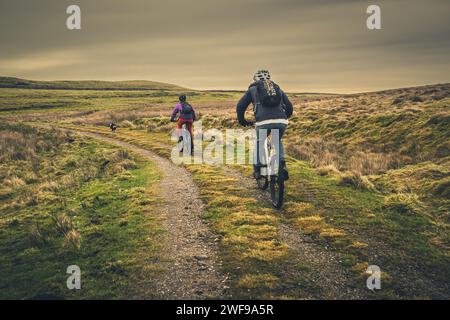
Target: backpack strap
(255, 97)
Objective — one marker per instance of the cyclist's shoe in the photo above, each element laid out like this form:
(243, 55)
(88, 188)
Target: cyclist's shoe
(284, 174)
(257, 172)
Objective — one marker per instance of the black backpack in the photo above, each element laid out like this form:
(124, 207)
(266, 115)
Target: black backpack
(269, 93)
(186, 108)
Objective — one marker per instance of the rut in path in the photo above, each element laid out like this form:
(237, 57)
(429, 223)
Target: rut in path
(192, 264)
(329, 275)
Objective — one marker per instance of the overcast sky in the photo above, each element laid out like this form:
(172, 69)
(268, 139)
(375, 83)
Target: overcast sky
(308, 45)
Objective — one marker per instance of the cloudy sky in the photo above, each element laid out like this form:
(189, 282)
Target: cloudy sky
(308, 45)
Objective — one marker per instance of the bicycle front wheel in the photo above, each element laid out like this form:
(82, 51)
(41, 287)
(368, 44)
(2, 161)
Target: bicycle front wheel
(276, 191)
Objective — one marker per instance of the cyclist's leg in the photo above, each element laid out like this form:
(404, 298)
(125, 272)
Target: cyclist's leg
(260, 150)
(190, 128)
(179, 126)
(277, 132)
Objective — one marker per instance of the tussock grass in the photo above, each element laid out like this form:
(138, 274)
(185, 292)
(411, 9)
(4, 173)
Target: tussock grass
(358, 245)
(60, 208)
(248, 217)
(311, 224)
(298, 208)
(126, 124)
(14, 182)
(127, 164)
(72, 239)
(331, 233)
(63, 223)
(327, 170)
(228, 201)
(356, 181)
(252, 281)
(405, 203)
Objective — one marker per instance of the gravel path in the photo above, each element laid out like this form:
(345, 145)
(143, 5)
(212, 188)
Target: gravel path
(191, 253)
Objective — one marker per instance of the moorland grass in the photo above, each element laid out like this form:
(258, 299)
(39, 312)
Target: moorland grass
(73, 209)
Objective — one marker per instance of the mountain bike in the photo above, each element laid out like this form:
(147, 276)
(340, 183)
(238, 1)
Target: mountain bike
(270, 174)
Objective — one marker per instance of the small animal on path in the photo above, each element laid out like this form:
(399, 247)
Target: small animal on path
(113, 127)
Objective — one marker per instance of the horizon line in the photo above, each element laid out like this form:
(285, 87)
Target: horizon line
(330, 92)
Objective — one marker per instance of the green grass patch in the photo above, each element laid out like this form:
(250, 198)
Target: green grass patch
(87, 213)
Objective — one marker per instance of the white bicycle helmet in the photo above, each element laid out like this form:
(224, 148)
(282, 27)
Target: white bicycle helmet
(261, 75)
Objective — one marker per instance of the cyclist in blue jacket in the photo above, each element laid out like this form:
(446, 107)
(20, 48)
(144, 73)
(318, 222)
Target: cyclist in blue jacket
(271, 108)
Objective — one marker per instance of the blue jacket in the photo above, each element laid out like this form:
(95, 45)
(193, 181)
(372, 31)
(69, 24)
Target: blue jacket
(263, 114)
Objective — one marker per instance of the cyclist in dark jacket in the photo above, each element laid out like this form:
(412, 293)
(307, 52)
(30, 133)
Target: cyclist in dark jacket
(268, 118)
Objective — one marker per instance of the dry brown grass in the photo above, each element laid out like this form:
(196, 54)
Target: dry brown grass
(15, 146)
(127, 164)
(62, 222)
(13, 181)
(65, 227)
(49, 186)
(366, 163)
(327, 170)
(331, 157)
(355, 180)
(311, 224)
(126, 124)
(18, 142)
(252, 281)
(405, 203)
(72, 239)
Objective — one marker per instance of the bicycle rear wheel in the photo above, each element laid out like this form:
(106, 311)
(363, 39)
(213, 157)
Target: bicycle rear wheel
(276, 191)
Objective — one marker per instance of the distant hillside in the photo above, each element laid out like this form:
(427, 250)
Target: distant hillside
(399, 126)
(9, 82)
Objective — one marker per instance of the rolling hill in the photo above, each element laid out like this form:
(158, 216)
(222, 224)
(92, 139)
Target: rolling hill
(10, 82)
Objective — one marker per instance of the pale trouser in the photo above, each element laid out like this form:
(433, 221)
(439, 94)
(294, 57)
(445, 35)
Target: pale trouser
(262, 132)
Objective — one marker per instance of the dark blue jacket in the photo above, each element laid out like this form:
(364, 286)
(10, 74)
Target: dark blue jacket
(263, 114)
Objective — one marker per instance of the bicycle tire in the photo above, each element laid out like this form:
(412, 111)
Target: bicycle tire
(277, 191)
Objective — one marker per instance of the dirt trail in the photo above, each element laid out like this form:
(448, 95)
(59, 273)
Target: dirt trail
(329, 275)
(192, 262)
